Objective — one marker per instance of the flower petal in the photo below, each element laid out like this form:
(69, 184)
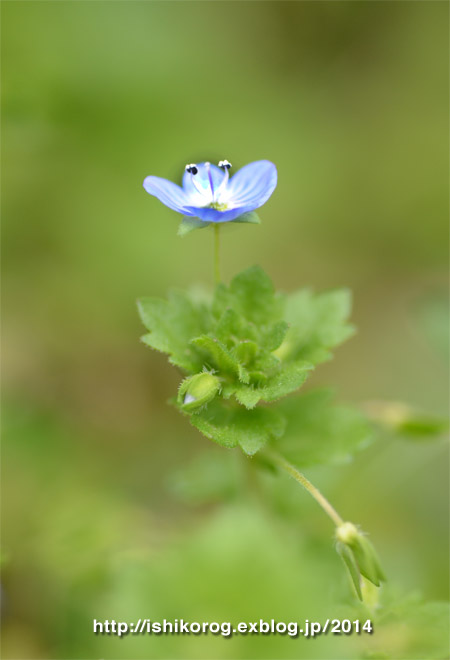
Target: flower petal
(168, 193)
(253, 184)
(202, 182)
(213, 215)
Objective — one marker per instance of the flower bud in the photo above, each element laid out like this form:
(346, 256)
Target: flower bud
(362, 552)
(197, 390)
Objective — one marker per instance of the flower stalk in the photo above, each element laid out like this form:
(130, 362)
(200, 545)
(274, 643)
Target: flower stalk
(217, 254)
(281, 462)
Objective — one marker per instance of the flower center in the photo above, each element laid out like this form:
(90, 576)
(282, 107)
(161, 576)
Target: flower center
(218, 206)
(213, 193)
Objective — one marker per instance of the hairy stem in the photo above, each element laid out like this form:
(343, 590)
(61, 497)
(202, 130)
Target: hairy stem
(217, 253)
(281, 462)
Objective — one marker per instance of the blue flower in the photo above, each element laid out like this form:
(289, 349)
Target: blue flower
(209, 194)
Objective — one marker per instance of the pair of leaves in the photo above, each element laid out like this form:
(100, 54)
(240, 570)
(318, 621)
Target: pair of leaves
(189, 224)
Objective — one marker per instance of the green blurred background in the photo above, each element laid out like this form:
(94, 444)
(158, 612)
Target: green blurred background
(100, 518)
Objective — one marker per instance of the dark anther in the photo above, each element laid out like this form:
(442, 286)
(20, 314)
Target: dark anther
(191, 169)
(224, 164)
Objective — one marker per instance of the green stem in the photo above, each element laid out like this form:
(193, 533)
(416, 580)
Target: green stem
(281, 462)
(217, 253)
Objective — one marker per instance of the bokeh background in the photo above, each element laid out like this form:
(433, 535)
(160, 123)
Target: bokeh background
(114, 507)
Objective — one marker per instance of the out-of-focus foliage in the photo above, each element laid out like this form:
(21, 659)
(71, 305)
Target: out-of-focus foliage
(405, 421)
(350, 101)
(320, 432)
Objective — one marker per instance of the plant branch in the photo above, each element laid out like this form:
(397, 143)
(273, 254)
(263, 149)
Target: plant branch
(281, 462)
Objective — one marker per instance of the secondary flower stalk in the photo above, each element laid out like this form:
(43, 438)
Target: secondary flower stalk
(358, 554)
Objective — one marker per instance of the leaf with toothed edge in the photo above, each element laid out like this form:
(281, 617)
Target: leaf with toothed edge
(236, 426)
(220, 357)
(289, 379)
(171, 324)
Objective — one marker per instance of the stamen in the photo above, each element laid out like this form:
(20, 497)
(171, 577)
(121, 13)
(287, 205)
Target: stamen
(225, 165)
(211, 184)
(192, 169)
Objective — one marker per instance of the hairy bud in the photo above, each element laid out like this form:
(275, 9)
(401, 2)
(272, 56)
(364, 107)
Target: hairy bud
(197, 390)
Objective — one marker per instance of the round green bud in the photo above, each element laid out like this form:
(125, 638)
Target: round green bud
(347, 533)
(197, 390)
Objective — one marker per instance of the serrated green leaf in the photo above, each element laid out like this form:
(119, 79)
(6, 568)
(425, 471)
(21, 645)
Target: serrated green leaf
(252, 296)
(272, 336)
(189, 224)
(172, 323)
(287, 380)
(248, 396)
(319, 432)
(233, 426)
(245, 351)
(250, 217)
(220, 301)
(232, 328)
(220, 357)
(318, 322)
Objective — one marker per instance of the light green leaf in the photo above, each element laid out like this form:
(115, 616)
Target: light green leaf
(220, 357)
(247, 395)
(232, 327)
(245, 351)
(318, 322)
(289, 379)
(172, 323)
(189, 224)
(233, 426)
(272, 336)
(319, 432)
(252, 295)
(250, 217)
